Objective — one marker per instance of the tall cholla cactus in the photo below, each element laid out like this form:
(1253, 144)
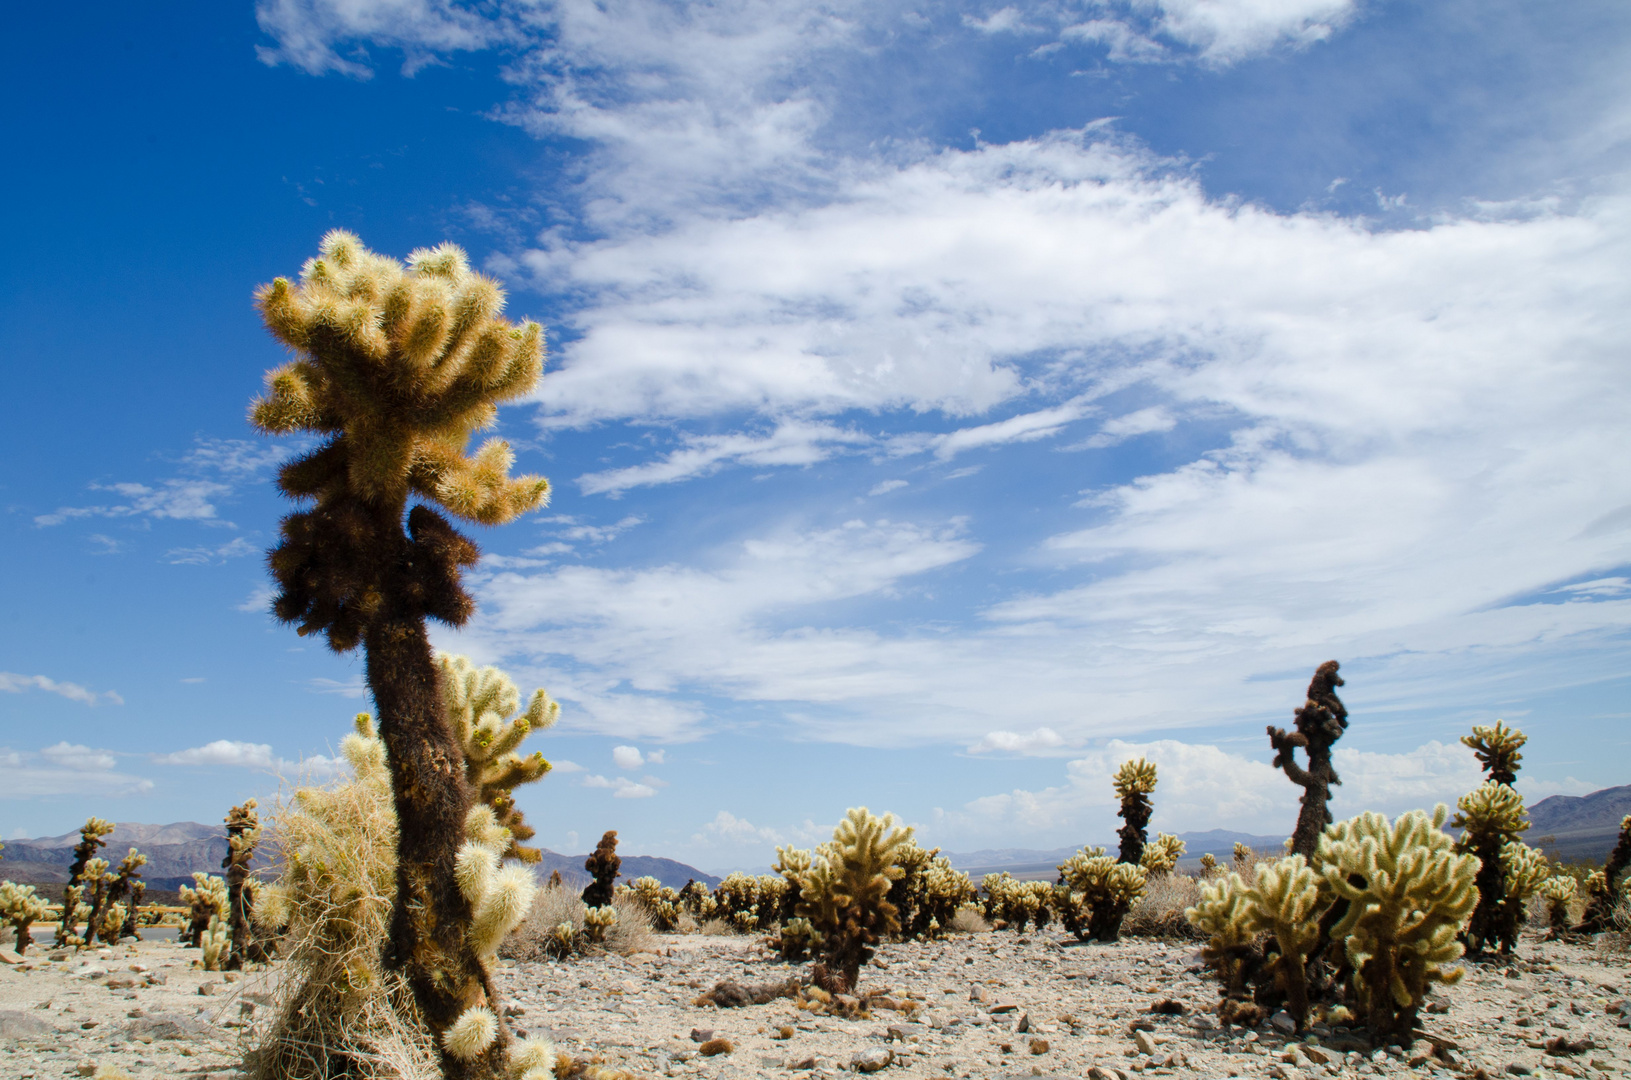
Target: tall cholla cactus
(482, 705)
(603, 865)
(844, 895)
(116, 895)
(397, 366)
(243, 834)
(1494, 819)
(1134, 783)
(1605, 886)
(207, 900)
(20, 906)
(90, 842)
(1321, 720)
(1497, 750)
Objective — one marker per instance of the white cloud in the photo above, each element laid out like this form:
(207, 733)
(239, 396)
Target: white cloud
(308, 31)
(564, 766)
(621, 786)
(353, 687)
(1008, 20)
(791, 443)
(1121, 428)
(656, 757)
(259, 601)
(1041, 741)
(78, 758)
(236, 548)
(731, 829)
(884, 487)
(227, 752)
(12, 683)
(67, 769)
(1026, 427)
(627, 757)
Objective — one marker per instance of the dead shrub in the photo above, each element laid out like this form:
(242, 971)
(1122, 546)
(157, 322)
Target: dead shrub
(968, 920)
(1160, 911)
(553, 928)
(632, 932)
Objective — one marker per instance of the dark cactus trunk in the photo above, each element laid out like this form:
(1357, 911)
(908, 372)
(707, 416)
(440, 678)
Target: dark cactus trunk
(1320, 722)
(428, 940)
(1136, 809)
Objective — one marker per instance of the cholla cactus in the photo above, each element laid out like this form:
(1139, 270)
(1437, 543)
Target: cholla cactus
(1408, 894)
(659, 901)
(207, 898)
(216, 943)
(1243, 856)
(737, 899)
(90, 842)
(772, 892)
(1604, 888)
(1225, 915)
(996, 889)
(1558, 892)
(603, 865)
(698, 902)
(1209, 865)
(598, 920)
(1321, 720)
(21, 906)
(928, 892)
(844, 895)
(1096, 892)
(1492, 816)
(1134, 782)
(243, 833)
(115, 890)
(1497, 750)
(798, 938)
(1287, 899)
(397, 366)
(1161, 857)
(484, 707)
(790, 863)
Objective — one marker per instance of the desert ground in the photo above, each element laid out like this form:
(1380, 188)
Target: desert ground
(979, 1005)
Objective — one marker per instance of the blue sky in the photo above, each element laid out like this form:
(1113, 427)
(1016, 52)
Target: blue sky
(945, 402)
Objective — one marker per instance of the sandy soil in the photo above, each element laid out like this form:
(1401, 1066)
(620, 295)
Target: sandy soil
(988, 1005)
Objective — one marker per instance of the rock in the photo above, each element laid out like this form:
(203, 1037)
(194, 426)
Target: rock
(801, 1064)
(1004, 1007)
(160, 1026)
(1202, 1022)
(1039, 1046)
(20, 1025)
(1023, 1024)
(1145, 1044)
(208, 989)
(979, 994)
(1283, 1023)
(870, 1061)
(1315, 1054)
(903, 1032)
(701, 1035)
(121, 984)
(1519, 1069)
(86, 1068)
(1285, 1072)
(8, 956)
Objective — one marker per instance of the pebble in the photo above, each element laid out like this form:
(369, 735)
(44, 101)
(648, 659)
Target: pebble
(870, 1061)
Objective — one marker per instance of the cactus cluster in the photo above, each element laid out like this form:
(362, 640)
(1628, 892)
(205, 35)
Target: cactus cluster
(1606, 886)
(1013, 904)
(1369, 922)
(660, 903)
(74, 894)
(1095, 892)
(1320, 722)
(484, 708)
(928, 892)
(207, 899)
(1134, 783)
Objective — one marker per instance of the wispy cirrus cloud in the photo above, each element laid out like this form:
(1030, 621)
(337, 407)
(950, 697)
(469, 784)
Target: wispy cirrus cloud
(13, 683)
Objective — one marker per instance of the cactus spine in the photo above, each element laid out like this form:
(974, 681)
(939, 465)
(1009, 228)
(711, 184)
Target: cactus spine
(484, 707)
(397, 366)
(1321, 720)
(90, 842)
(603, 865)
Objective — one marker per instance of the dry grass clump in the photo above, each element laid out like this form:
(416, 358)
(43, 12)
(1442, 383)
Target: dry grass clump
(1160, 911)
(968, 920)
(555, 928)
(339, 1012)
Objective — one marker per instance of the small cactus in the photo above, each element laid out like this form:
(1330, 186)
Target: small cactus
(1209, 865)
(21, 906)
(216, 942)
(1497, 750)
(1492, 816)
(1558, 892)
(797, 939)
(1606, 885)
(603, 865)
(1161, 856)
(1096, 892)
(598, 920)
(207, 898)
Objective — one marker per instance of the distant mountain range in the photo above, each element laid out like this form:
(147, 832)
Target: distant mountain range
(1035, 864)
(1579, 826)
(176, 850)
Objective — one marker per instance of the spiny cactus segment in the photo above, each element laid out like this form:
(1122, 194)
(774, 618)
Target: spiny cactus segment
(1320, 722)
(1134, 783)
(20, 906)
(1497, 750)
(484, 707)
(844, 895)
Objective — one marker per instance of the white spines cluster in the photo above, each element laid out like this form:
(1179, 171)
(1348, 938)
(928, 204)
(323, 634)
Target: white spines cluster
(499, 896)
(532, 1059)
(472, 1034)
